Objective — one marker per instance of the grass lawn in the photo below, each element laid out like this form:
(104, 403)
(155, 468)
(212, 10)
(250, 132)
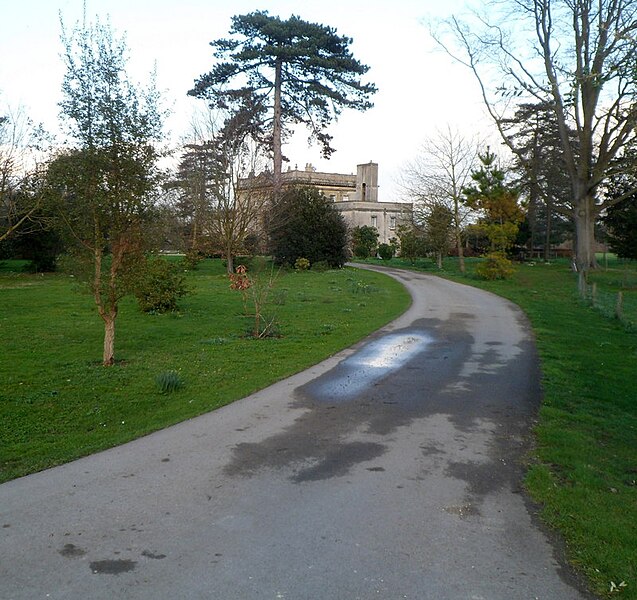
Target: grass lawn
(584, 468)
(58, 403)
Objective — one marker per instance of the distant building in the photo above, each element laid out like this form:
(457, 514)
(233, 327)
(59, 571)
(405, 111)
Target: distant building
(355, 196)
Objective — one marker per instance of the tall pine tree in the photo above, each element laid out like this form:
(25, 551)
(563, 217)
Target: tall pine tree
(286, 72)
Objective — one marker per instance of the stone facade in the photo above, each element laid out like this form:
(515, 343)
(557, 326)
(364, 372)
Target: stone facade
(355, 196)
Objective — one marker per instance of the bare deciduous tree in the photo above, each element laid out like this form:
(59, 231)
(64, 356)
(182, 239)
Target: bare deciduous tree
(216, 181)
(438, 175)
(578, 57)
(21, 153)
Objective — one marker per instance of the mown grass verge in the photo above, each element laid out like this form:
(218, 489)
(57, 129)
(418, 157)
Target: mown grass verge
(58, 403)
(584, 468)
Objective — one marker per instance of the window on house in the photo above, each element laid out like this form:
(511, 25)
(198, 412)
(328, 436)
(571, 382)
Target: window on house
(374, 221)
(392, 222)
(333, 197)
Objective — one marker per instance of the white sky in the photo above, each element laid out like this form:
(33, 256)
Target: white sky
(420, 88)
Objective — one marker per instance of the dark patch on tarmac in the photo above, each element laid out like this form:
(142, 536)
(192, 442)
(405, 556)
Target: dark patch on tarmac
(72, 551)
(112, 567)
(329, 439)
(149, 554)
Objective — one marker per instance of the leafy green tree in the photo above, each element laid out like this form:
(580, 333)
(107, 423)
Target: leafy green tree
(496, 201)
(364, 240)
(288, 72)
(541, 173)
(621, 220)
(305, 224)
(439, 230)
(413, 243)
(386, 251)
(105, 182)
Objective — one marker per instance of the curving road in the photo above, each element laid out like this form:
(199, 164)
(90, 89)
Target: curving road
(391, 470)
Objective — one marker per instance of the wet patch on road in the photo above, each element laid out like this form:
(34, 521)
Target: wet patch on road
(149, 554)
(365, 368)
(112, 567)
(72, 551)
(339, 462)
(352, 411)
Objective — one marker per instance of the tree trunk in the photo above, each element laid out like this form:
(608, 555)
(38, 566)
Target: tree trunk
(547, 238)
(276, 133)
(108, 359)
(229, 262)
(584, 217)
(458, 232)
(460, 252)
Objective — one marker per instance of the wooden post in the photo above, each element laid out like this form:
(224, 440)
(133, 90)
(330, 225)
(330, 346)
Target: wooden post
(619, 307)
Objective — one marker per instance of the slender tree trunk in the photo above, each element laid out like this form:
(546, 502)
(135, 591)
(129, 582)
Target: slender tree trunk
(458, 232)
(107, 313)
(229, 261)
(276, 133)
(108, 359)
(547, 238)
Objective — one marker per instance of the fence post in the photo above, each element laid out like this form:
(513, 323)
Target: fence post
(619, 307)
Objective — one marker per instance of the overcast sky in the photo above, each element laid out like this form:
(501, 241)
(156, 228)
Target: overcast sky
(420, 88)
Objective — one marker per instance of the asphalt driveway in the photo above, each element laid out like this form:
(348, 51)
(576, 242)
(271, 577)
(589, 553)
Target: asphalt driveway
(392, 470)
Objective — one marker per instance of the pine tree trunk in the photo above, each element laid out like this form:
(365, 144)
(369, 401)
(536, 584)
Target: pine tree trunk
(277, 127)
(547, 239)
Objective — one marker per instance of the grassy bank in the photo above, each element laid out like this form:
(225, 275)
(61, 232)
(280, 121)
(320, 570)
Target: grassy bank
(58, 403)
(584, 470)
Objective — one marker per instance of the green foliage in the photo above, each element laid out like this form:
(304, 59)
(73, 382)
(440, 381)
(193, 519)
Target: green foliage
(191, 259)
(169, 382)
(304, 223)
(41, 246)
(103, 184)
(413, 242)
(321, 266)
(386, 251)
(438, 229)
(621, 221)
(497, 202)
(301, 264)
(364, 241)
(495, 266)
(159, 286)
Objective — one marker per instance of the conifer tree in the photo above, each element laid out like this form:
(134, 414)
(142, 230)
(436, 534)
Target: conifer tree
(285, 72)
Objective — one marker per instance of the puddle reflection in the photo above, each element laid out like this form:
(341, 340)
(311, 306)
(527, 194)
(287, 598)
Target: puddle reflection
(369, 365)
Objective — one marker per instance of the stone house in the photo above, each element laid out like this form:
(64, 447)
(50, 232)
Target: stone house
(355, 196)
